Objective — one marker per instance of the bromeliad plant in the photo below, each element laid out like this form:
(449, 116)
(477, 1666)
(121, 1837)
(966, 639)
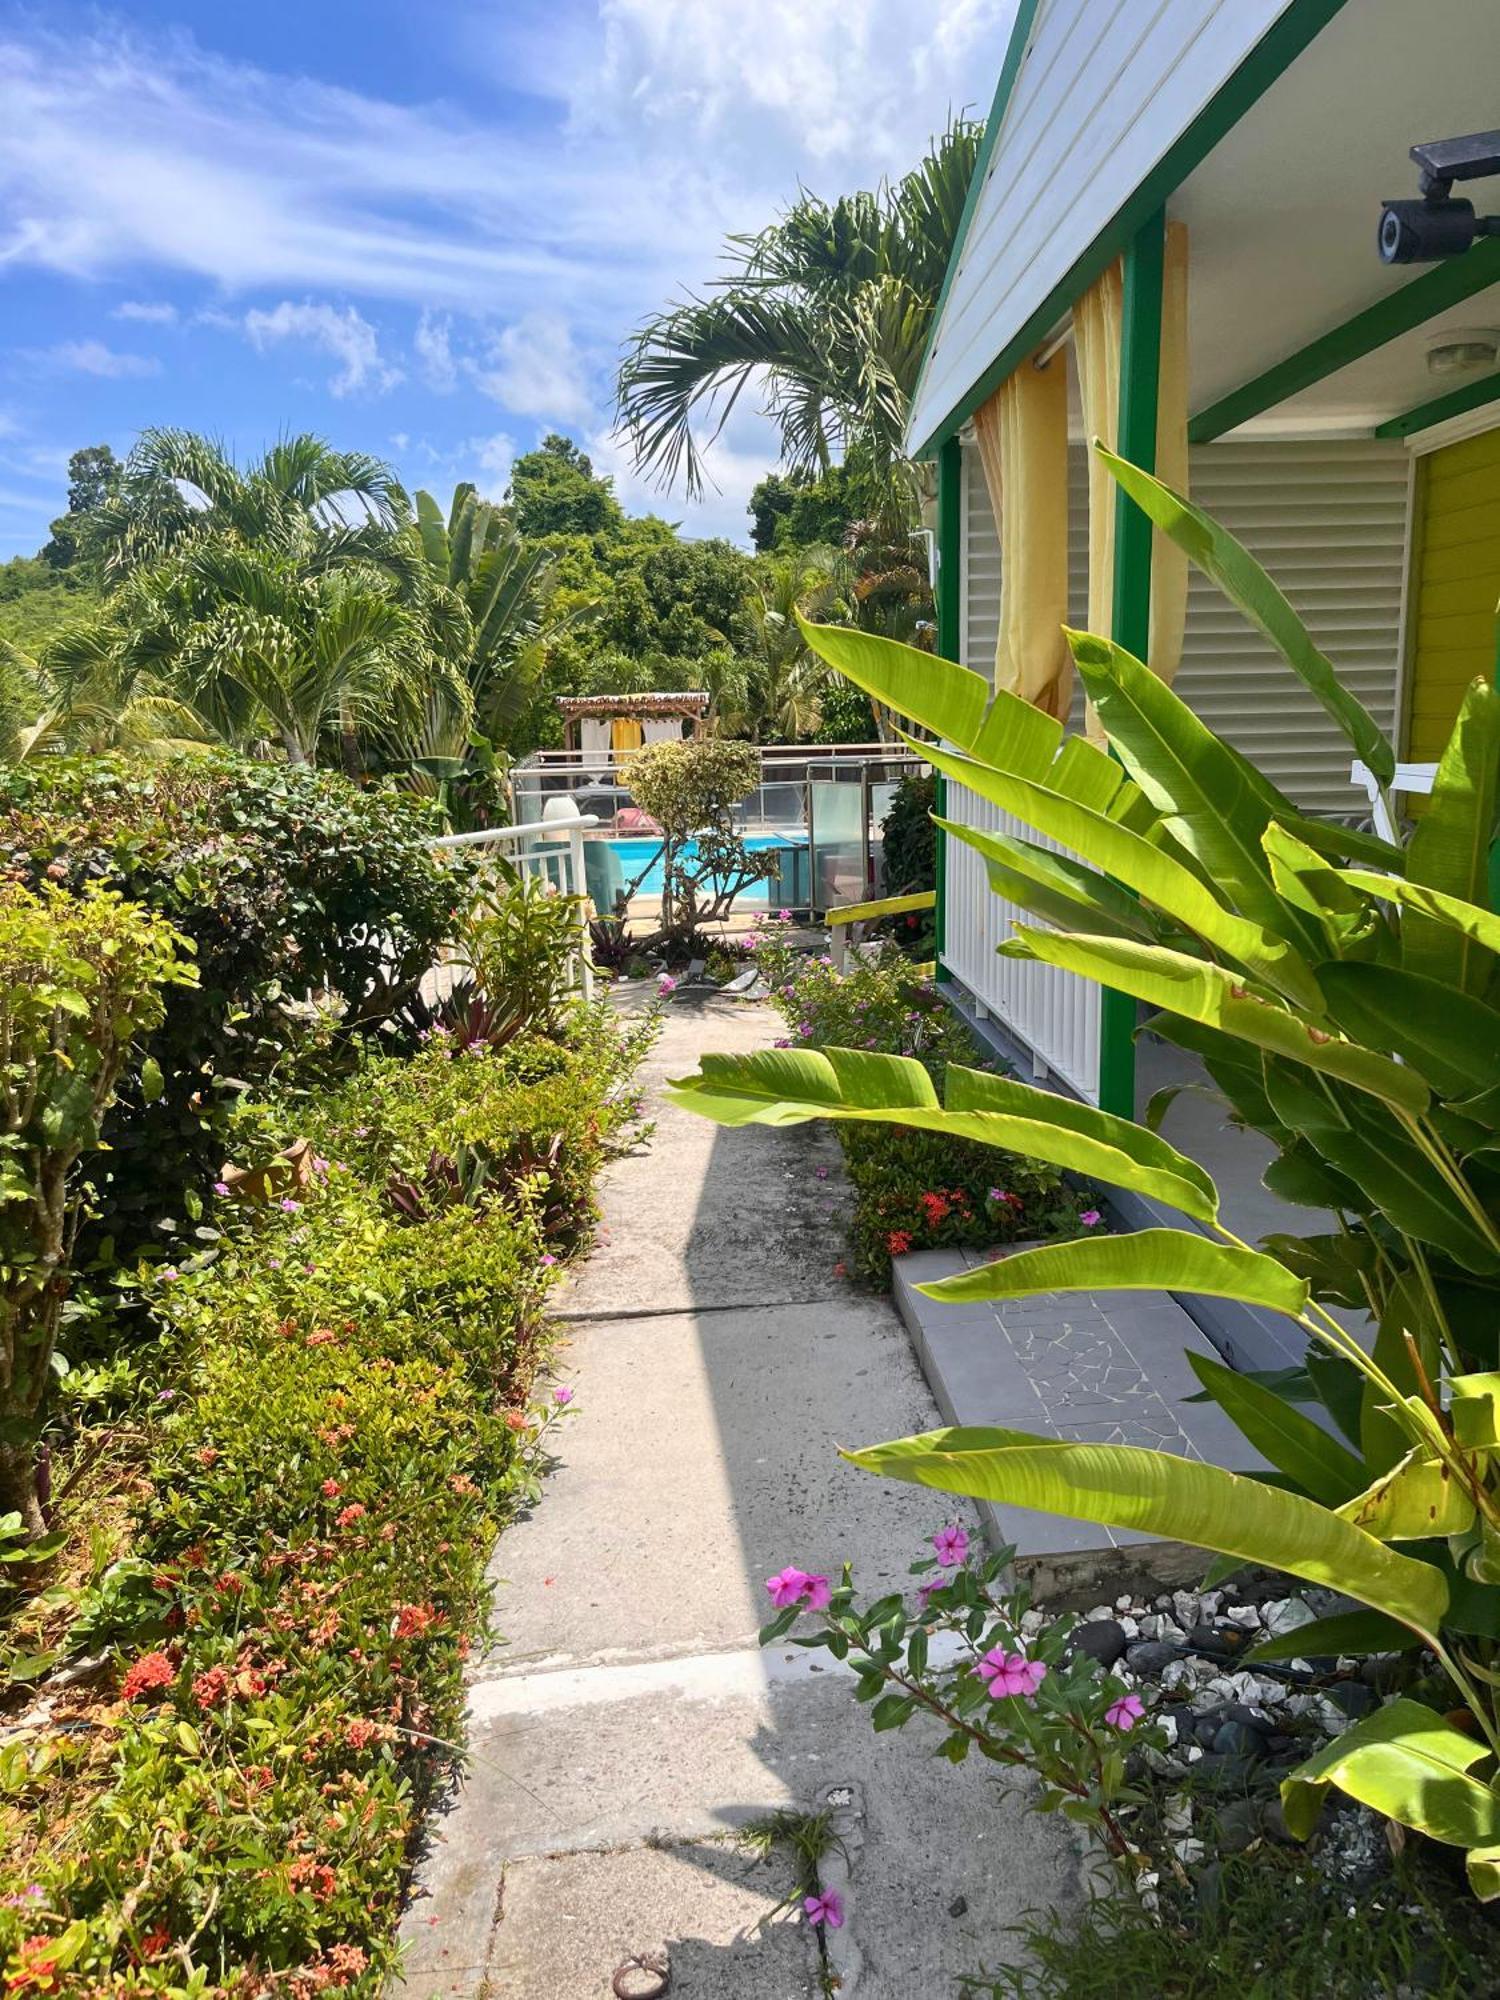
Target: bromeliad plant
(1344, 994)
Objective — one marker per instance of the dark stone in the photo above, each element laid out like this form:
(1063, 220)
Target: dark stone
(1273, 1824)
(1238, 1825)
(1102, 1639)
(1239, 1739)
(1204, 1638)
(1206, 1729)
(1151, 1656)
(959, 1907)
(1239, 1711)
(1206, 1885)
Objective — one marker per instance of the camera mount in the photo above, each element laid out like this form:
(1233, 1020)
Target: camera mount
(1441, 224)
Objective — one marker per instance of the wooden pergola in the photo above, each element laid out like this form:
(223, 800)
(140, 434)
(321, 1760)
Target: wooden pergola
(690, 704)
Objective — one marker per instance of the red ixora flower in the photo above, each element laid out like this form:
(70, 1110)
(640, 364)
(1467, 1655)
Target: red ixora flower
(305, 1873)
(413, 1619)
(936, 1207)
(360, 1732)
(331, 1489)
(34, 1968)
(150, 1671)
(211, 1687)
(898, 1242)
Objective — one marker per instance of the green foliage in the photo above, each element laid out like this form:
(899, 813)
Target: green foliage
(909, 836)
(359, 1413)
(800, 513)
(1039, 1704)
(291, 885)
(81, 980)
(554, 490)
(915, 1189)
(520, 943)
(1252, 1926)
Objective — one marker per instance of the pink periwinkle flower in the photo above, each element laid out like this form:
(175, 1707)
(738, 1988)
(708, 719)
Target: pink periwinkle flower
(822, 1173)
(952, 1545)
(796, 1586)
(221, 1187)
(562, 1396)
(827, 1907)
(1125, 1713)
(666, 984)
(926, 1591)
(290, 1207)
(1091, 1218)
(548, 1258)
(170, 1275)
(1010, 1673)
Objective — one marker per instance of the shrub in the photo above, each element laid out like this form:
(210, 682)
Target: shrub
(287, 882)
(356, 1416)
(80, 980)
(914, 1190)
(910, 837)
(691, 790)
(520, 945)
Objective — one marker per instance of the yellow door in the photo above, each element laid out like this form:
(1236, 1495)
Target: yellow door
(1456, 585)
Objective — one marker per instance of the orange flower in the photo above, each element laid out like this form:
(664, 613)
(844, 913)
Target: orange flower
(412, 1620)
(150, 1671)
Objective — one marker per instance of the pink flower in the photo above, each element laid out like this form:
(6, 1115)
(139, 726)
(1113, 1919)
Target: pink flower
(548, 1258)
(221, 1187)
(288, 1206)
(926, 1590)
(562, 1396)
(1090, 1218)
(787, 1587)
(825, 1908)
(1125, 1713)
(666, 985)
(822, 1173)
(796, 1586)
(952, 1545)
(1010, 1673)
(170, 1275)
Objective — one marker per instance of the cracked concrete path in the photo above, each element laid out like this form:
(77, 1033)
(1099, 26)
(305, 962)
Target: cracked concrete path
(625, 1724)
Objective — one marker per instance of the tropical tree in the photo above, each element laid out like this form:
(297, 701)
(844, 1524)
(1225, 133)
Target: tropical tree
(827, 312)
(785, 680)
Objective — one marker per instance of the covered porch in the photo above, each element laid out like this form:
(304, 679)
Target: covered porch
(1176, 221)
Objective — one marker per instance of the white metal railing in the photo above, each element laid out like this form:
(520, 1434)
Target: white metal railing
(1409, 778)
(553, 851)
(1053, 1013)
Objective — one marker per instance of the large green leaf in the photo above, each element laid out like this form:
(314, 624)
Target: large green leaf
(790, 1086)
(1148, 1260)
(1211, 994)
(1200, 789)
(1294, 1444)
(938, 694)
(1406, 1762)
(1453, 1039)
(1450, 848)
(1481, 927)
(1123, 1486)
(1245, 583)
(1150, 871)
(1342, 1632)
(1417, 1498)
(1053, 886)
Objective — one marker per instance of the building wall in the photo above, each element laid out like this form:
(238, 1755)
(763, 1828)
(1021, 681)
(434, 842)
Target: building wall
(1329, 522)
(1455, 587)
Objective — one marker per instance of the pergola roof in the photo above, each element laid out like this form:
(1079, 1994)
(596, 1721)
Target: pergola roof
(688, 701)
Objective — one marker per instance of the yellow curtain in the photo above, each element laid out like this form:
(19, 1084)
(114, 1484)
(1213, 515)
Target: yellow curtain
(1022, 432)
(625, 734)
(1097, 322)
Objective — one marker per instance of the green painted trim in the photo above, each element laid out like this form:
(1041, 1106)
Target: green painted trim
(1130, 613)
(1010, 69)
(1271, 57)
(1445, 285)
(949, 608)
(1457, 403)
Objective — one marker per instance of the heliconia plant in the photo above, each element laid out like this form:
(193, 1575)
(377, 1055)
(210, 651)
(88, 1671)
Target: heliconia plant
(1343, 992)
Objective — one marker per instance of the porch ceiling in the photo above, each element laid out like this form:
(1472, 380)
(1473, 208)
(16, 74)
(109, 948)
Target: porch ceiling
(1283, 213)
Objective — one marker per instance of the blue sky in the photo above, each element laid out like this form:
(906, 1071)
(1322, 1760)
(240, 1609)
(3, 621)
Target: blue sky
(420, 231)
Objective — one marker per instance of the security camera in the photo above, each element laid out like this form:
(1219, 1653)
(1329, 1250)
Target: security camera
(1440, 225)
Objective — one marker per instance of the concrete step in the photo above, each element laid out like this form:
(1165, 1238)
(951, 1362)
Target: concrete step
(1105, 1367)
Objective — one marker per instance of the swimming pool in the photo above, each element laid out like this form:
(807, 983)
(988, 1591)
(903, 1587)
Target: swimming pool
(635, 853)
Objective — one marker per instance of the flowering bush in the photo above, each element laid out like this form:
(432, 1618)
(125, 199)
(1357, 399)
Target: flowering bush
(356, 1412)
(972, 1656)
(915, 1190)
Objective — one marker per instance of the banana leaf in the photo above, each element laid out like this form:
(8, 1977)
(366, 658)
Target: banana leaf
(1450, 847)
(1149, 1260)
(1321, 1467)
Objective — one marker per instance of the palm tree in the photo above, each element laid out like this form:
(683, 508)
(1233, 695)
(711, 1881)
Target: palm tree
(300, 497)
(786, 681)
(829, 310)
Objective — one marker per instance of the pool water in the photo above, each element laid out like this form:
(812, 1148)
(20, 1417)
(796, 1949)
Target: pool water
(635, 853)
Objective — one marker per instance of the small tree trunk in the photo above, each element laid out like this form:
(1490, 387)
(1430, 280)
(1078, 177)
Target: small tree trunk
(18, 1492)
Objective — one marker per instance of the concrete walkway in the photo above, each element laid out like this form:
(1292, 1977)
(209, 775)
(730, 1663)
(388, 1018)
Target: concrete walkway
(626, 1723)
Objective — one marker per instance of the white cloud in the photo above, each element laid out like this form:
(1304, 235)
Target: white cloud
(734, 464)
(92, 357)
(533, 368)
(149, 313)
(433, 344)
(348, 336)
